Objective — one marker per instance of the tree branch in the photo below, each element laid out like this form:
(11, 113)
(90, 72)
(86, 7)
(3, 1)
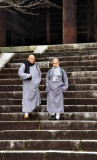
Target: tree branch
(26, 6)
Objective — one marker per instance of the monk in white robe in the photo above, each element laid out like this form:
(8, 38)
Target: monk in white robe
(30, 73)
(56, 85)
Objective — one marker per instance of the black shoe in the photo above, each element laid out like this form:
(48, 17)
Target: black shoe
(52, 115)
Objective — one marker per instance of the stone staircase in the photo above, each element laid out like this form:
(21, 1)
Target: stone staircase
(74, 136)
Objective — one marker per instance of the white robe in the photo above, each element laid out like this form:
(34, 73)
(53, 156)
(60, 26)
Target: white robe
(31, 94)
(55, 101)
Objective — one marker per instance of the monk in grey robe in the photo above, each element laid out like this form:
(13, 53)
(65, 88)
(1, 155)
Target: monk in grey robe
(56, 85)
(30, 73)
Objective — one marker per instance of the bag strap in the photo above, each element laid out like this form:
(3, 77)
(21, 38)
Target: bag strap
(61, 72)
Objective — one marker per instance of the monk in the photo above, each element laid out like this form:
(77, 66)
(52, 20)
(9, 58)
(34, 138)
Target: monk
(56, 85)
(30, 73)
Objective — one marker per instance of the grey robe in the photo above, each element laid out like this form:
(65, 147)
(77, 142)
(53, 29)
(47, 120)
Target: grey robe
(55, 101)
(31, 94)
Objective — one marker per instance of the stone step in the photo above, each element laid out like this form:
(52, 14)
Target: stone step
(80, 108)
(25, 55)
(72, 87)
(76, 80)
(67, 101)
(9, 76)
(48, 125)
(10, 101)
(46, 116)
(67, 69)
(64, 58)
(19, 125)
(62, 64)
(82, 74)
(10, 81)
(67, 53)
(43, 108)
(86, 145)
(48, 135)
(11, 108)
(50, 53)
(17, 87)
(48, 155)
(76, 130)
(17, 65)
(71, 94)
(82, 80)
(82, 87)
(74, 46)
(55, 49)
(69, 74)
(73, 49)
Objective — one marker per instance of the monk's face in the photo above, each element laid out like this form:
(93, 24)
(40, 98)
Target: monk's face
(31, 59)
(55, 63)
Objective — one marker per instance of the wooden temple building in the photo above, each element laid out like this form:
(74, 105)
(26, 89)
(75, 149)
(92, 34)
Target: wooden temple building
(74, 22)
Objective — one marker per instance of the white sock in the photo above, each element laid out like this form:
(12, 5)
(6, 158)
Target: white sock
(26, 114)
(57, 115)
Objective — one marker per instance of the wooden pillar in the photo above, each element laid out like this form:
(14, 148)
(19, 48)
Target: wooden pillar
(2, 28)
(69, 21)
(48, 26)
(90, 20)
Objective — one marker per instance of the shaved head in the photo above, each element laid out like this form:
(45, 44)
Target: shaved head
(56, 59)
(31, 58)
(55, 62)
(31, 55)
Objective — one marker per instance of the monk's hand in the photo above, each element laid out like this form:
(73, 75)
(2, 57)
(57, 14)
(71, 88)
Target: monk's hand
(30, 77)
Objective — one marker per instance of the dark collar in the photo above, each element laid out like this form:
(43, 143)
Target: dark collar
(27, 66)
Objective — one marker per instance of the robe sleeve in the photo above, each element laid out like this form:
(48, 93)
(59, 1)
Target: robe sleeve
(39, 74)
(47, 82)
(65, 81)
(21, 73)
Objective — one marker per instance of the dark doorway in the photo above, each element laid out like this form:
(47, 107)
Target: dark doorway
(34, 30)
(82, 26)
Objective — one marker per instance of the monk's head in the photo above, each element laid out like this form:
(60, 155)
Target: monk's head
(55, 62)
(31, 58)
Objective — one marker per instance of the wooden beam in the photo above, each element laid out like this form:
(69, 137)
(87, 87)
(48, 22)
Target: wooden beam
(48, 26)
(2, 28)
(69, 21)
